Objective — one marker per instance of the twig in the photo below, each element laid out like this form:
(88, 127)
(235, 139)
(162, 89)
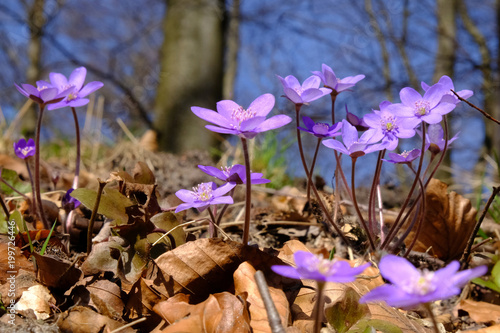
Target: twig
(475, 107)
(465, 257)
(140, 320)
(272, 314)
(94, 214)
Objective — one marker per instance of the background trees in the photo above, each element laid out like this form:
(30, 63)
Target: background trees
(159, 57)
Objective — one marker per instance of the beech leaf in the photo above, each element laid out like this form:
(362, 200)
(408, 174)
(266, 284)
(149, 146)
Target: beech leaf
(448, 224)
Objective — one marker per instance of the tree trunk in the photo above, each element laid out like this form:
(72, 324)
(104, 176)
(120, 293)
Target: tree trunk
(191, 73)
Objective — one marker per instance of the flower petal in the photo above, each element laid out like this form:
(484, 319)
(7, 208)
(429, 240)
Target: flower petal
(77, 77)
(262, 105)
(211, 116)
(90, 88)
(311, 82)
(58, 80)
(334, 144)
(225, 108)
(287, 271)
(409, 96)
(397, 270)
(273, 123)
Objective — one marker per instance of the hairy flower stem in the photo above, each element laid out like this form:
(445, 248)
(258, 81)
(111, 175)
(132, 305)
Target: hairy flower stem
(38, 195)
(433, 317)
(371, 200)
(356, 207)
(94, 214)
(30, 175)
(299, 141)
(309, 179)
(333, 95)
(398, 222)
(248, 197)
(78, 149)
(223, 210)
(211, 228)
(318, 313)
(418, 218)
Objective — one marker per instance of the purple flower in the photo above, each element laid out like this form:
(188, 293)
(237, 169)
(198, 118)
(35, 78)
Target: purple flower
(305, 93)
(429, 108)
(321, 130)
(79, 91)
(385, 125)
(331, 81)
(310, 266)
(404, 157)
(231, 118)
(44, 92)
(234, 174)
(448, 86)
(434, 138)
(204, 195)
(24, 149)
(69, 201)
(411, 286)
(351, 145)
(355, 121)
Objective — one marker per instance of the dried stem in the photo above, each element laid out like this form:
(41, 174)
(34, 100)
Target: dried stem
(465, 257)
(272, 314)
(94, 215)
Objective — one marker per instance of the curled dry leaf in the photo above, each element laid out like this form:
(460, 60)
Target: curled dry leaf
(56, 272)
(106, 297)
(221, 313)
(448, 224)
(244, 283)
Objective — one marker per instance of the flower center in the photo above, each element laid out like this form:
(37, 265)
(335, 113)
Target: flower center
(239, 115)
(41, 88)
(203, 192)
(71, 97)
(226, 170)
(405, 154)
(421, 108)
(320, 128)
(321, 265)
(26, 150)
(422, 285)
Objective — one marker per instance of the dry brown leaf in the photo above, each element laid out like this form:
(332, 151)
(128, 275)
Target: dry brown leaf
(81, 319)
(481, 312)
(206, 266)
(56, 272)
(11, 263)
(448, 224)
(106, 297)
(37, 299)
(244, 283)
(221, 313)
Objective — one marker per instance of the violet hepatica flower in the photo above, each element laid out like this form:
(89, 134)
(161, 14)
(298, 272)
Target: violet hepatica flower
(385, 125)
(310, 266)
(411, 286)
(232, 118)
(330, 80)
(355, 121)
(235, 174)
(24, 149)
(321, 130)
(428, 108)
(305, 93)
(204, 195)
(79, 91)
(44, 93)
(434, 138)
(448, 86)
(404, 157)
(351, 145)
(69, 201)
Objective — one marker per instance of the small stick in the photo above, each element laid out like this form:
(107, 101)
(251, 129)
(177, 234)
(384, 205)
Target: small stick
(94, 214)
(465, 257)
(272, 314)
(475, 107)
